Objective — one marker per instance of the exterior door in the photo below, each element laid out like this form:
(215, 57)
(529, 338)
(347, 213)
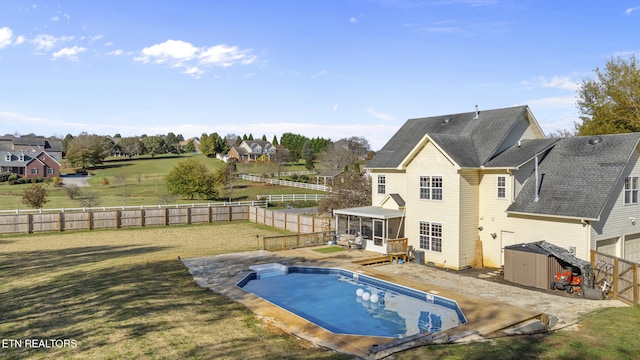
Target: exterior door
(507, 238)
(607, 246)
(632, 248)
(378, 232)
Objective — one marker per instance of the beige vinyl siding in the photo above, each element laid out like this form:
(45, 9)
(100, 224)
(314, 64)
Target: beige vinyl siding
(469, 207)
(608, 246)
(395, 184)
(561, 232)
(492, 216)
(431, 162)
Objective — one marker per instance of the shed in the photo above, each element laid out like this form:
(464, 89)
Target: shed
(531, 264)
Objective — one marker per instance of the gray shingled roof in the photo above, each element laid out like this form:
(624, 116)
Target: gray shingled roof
(469, 141)
(577, 177)
(517, 155)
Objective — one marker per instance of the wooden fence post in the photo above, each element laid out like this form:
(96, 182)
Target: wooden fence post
(616, 269)
(60, 221)
(188, 216)
(209, 216)
(635, 284)
(29, 223)
(117, 219)
(89, 213)
(166, 216)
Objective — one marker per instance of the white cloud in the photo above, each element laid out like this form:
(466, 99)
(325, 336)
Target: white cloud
(321, 73)
(225, 56)
(630, 10)
(69, 53)
(335, 107)
(555, 82)
(116, 52)
(353, 19)
(5, 37)
(45, 42)
(194, 71)
(379, 115)
(554, 101)
(19, 40)
(169, 50)
(181, 54)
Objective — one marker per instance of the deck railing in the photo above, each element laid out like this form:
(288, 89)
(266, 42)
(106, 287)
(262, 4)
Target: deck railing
(283, 242)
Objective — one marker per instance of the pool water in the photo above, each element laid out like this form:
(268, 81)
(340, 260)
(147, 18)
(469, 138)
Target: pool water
(349, 303)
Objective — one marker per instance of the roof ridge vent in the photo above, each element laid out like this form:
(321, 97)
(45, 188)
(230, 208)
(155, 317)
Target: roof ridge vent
(446, 121)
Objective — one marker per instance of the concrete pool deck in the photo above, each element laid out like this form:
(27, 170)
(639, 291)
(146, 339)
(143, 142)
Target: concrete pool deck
(488, 306)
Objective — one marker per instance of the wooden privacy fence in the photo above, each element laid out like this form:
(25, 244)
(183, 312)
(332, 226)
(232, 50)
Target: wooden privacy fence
(291, 222)
(623, 274)
(283, 242)
(118, 218)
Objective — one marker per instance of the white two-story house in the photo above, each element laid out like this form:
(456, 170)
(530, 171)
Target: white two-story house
(461, 187)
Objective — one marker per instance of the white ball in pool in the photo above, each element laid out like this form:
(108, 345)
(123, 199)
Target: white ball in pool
(359, 292)
(366, 296)
(373, 298)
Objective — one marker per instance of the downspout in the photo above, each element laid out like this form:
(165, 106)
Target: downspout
(537, 181)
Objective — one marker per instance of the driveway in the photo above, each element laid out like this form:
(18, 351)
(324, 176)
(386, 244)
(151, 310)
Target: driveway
(77, 180)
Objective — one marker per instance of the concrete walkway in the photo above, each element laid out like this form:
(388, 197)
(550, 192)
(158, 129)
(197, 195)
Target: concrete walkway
(488, 306)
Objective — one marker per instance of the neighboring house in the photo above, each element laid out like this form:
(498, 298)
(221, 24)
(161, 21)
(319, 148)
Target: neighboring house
(251, 150)
(461, 187)
(196, 144)
(51, 146)
(29, 164)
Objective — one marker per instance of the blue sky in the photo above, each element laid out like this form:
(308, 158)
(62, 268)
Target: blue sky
(324, 68)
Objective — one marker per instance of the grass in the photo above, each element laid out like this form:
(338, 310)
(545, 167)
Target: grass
(609, 333)
(143, 185)
(330, 249)
(124, 294)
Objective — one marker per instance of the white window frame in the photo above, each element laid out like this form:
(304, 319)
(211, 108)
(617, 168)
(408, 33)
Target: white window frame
(382, 184)
(429, 189)
(630, 190)
(501, 187)
(34, 171)
(430, 236)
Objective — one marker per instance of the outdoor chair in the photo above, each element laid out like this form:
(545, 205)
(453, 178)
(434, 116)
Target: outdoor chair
(345, 239)
(356, 243)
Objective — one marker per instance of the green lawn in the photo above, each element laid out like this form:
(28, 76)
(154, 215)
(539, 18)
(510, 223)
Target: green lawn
(144, 179)
(124, 294)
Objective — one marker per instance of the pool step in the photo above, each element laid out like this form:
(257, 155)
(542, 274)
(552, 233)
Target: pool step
(269, 270)
(270, 273)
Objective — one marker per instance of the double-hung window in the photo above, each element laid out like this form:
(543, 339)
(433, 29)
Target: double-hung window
(431, 187)
(382, 184)
(502, 187)
(431, 236)
(631, 190)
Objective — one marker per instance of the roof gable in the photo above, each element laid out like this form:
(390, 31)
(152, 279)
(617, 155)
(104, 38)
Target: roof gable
(470, 139)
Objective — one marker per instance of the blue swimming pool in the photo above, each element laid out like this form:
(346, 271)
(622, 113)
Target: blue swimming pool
(345, 302)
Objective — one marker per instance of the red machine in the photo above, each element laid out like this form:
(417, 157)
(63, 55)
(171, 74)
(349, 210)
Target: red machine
(567, 280)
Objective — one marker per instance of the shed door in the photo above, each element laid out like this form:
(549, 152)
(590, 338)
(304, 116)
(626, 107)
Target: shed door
(607, 246)
(632, 248)
(507, 238)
